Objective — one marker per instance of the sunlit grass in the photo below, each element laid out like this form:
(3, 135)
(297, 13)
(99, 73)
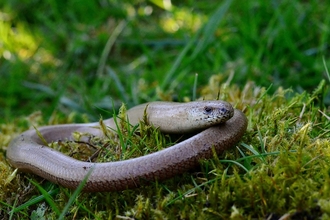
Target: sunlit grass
(182, 18)
(17, 41)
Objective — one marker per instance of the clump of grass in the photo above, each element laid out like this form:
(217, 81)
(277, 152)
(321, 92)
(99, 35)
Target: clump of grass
(125, 142)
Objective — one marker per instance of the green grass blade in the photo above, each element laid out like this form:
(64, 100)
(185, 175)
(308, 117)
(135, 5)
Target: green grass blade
(206, 33)
(46, 195)
(75, 194)
(108, 46)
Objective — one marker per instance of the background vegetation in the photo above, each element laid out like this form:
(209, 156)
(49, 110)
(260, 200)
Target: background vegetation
(87, 57)
(55, 53)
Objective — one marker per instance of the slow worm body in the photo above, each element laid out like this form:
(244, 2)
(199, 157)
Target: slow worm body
(28, 153)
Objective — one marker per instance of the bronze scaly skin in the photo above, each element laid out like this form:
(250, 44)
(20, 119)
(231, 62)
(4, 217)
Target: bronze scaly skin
(224, 126)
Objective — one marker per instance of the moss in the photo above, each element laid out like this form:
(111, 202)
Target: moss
(281, 167)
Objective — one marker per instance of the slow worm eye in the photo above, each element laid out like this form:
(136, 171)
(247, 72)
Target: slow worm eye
(208, 109)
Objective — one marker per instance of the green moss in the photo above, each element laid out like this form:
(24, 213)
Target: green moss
(280, 167)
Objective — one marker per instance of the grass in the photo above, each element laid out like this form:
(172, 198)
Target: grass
(73, 62)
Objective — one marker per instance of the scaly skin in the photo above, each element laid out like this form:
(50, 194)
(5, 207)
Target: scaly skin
(28, 153)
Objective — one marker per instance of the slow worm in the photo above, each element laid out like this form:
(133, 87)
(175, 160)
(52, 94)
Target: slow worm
(28, 153)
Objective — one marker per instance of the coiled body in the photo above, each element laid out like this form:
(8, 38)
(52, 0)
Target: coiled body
(28, 153)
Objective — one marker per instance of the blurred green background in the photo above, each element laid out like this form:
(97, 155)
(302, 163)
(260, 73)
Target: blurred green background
(88, 56)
